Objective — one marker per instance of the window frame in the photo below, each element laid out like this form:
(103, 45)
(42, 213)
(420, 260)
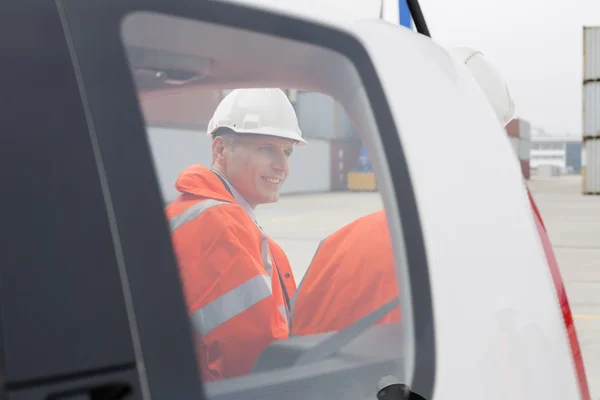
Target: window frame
(143, 232)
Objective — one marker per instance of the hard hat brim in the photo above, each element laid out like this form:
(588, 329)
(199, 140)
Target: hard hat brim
(265, 131)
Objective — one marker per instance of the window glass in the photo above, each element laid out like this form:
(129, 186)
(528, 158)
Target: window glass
(281, 244)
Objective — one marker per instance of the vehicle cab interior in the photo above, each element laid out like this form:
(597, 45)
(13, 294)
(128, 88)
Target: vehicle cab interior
(104, 317)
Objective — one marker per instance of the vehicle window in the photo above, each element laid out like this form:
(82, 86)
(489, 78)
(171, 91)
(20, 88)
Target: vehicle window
(275, 214)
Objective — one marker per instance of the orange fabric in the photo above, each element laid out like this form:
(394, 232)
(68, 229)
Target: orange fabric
(351, 275)
(216, 252)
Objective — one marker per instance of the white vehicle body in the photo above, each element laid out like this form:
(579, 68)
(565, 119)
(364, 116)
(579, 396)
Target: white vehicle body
(499, 327)
(496, 310)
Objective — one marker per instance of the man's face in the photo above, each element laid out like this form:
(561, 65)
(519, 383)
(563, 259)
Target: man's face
(255, 165)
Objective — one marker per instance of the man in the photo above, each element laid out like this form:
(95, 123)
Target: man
(352, 273)
(237, 281)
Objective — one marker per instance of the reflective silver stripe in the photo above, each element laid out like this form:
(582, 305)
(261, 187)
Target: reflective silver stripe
(231, 304)
(268, 266)
(264, 254)
(284, 313)
(194, 212)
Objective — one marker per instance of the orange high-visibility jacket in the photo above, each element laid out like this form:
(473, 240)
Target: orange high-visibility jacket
(231, 274)
(352, 274)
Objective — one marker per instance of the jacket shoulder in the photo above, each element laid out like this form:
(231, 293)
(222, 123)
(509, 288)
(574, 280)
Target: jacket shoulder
(219, 217)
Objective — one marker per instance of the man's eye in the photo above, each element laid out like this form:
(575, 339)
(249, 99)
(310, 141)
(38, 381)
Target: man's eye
(288, 153)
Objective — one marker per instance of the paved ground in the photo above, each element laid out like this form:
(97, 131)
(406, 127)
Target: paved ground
(573, 223)
(299, 223)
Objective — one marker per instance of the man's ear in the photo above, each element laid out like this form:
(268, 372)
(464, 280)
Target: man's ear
(218, 149)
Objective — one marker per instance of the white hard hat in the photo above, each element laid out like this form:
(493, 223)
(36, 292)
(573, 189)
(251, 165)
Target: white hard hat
(257, 111)
(491, 82)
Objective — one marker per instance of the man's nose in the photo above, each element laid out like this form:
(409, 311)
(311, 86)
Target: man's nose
(281, 162)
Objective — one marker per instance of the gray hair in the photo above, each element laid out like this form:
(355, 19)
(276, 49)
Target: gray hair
(227, 134)
(229, 141)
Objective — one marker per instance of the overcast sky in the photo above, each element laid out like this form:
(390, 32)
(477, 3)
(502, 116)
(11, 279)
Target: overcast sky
(536, 44)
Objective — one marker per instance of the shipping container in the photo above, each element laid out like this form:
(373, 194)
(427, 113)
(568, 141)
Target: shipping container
(524, 129)
(591, 109)
(525, 169)
(591, 53)
(320, 116)
(583, 160)
(524, 149)
(190, 109)
(344, 158)
(519, 128)
(515, 144)
(591, 172)
(512, 128)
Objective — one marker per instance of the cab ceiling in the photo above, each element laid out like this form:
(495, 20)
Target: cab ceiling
(170, 53)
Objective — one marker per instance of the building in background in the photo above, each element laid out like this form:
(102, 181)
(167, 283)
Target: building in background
(519, 135)
(562, 151)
